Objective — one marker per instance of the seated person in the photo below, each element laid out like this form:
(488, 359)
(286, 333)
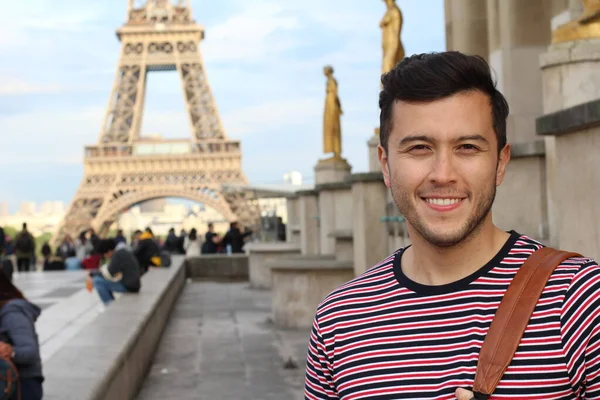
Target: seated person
(19, 340)
(121, 273)
(147, 251)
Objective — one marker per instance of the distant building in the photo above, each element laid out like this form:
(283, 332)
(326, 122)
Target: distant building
(27, 208)
(293, 178)
(44, 219)
(153, 206)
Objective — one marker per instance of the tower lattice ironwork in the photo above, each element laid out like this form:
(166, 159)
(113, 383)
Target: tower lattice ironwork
(124, 168)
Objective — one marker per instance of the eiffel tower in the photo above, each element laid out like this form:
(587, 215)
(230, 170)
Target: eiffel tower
(123, 168)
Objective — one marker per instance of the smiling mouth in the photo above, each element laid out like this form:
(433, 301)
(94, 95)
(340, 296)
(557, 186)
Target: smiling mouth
(442, 202)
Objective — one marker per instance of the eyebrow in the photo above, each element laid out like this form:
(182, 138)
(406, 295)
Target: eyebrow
(428, 139)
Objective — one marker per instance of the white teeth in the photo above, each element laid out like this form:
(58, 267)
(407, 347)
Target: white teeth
(442, 202)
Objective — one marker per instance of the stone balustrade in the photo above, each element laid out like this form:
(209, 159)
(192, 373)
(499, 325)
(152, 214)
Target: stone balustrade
(258, 256)
(299, 285)
(109, 358)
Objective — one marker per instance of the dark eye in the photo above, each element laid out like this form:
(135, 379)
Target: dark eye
(468, 147)
(419, 147)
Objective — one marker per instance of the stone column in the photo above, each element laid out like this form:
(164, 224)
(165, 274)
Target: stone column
(571, 84)
(333, 214)
(292, 228)
(309, 222)
(372, 144)
(518, 32)
(331, 170)
(369, 198)
(466, 26)
(574, 186)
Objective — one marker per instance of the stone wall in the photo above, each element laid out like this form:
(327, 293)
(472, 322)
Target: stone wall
(232, 267)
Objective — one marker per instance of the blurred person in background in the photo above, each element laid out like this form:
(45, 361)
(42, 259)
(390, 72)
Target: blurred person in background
(66, 251)
(120, 273)
(192, 244)
(235, 238)
(19, 341)
(147, 251)
(211, 240)
(24, 249)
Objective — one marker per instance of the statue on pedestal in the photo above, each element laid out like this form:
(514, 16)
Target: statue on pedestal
(332, 130)
(391, 27)
(585, 27)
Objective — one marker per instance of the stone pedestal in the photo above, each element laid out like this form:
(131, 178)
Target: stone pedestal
(260, 254)
(571, 84)
(466, 26)
(575, 182)
(521, 200)
(292, 228)
(335, 212)
(518, 32)
(331, 170)
(299, 285)
(369, 200)
(570, 74)
(373, 143)
(343, 244)
(308, 203)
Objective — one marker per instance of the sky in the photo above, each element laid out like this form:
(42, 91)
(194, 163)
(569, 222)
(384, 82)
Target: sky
(264, 60)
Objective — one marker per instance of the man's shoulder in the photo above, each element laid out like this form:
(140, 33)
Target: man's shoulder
(579, 268)
(370, 283)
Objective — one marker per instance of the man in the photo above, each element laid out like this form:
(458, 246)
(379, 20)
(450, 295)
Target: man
(24, 249)
(120, 274)
(413, 325)
(95, 239)
(211, 240)
(171, 242)
(235, 238)
(181, 240)
(120, 238)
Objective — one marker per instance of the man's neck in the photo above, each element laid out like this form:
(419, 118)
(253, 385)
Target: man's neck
(428, 264)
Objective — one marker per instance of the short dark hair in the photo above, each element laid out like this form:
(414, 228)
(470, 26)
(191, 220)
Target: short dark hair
(427, 77)
(106, 245)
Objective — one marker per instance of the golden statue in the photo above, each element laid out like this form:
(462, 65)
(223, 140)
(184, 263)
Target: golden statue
(585, 27)
(391, 26)
(332, 130)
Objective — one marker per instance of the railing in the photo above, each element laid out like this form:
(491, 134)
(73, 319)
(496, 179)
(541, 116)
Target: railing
(163, 147)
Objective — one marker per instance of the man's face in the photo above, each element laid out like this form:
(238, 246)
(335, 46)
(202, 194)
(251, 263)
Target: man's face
(442, 166)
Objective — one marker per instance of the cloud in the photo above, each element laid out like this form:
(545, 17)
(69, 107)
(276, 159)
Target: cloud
(254, 33)
(264, 62)
(49, 136)
(272, 116)
(10, 86)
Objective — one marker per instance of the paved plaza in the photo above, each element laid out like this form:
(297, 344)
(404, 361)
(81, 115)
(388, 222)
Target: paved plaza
(221, 344)
(66, 305)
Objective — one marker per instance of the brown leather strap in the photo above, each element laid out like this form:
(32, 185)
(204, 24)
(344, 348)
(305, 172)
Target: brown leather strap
(512, 317)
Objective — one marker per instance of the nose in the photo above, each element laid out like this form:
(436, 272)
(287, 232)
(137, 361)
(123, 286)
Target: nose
(443, 170)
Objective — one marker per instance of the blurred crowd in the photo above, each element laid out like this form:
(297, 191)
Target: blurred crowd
(20, 253)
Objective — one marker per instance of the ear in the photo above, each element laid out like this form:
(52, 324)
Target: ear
(383, 160)
(503, 159)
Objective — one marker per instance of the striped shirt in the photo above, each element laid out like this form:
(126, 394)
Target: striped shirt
(384, 336)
